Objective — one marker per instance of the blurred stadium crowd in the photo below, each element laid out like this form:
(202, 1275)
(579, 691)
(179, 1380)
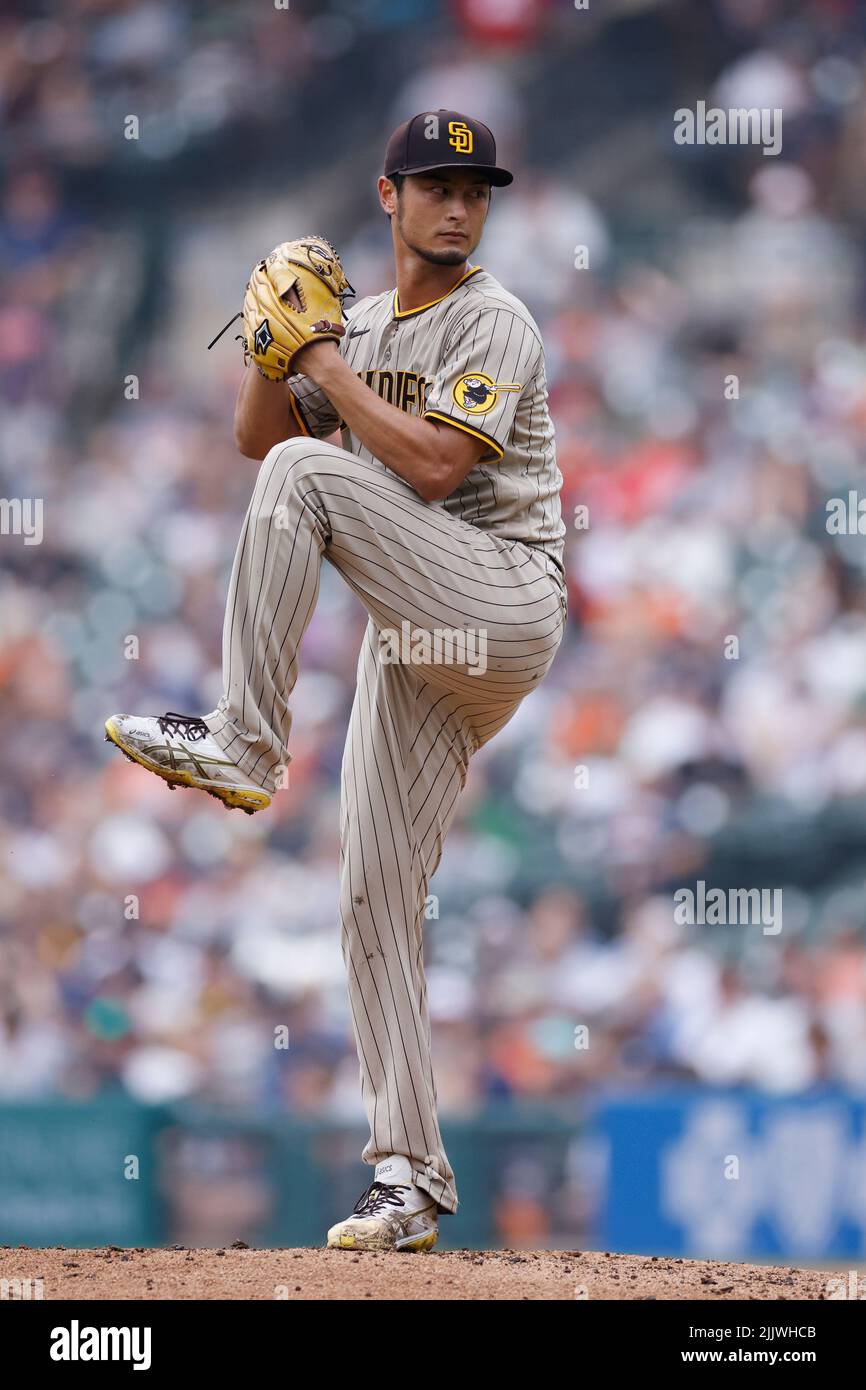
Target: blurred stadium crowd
(153, 943)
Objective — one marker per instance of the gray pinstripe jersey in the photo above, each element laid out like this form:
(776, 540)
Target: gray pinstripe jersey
(474, 359)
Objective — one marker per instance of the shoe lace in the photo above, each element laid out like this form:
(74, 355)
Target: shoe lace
(379, 1194)
(187, 725)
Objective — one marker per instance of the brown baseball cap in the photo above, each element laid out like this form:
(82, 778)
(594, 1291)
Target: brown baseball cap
(444, 140)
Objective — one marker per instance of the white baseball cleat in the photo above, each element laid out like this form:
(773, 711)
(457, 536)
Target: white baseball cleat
(180, 749)
(392, 1215)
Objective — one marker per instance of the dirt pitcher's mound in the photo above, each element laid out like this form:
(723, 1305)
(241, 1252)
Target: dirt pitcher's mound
(311, 1273)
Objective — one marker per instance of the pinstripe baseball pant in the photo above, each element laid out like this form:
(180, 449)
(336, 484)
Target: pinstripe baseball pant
(413, 728)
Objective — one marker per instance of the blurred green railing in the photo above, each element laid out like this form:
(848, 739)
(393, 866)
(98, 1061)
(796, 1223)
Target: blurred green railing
(108, 1171)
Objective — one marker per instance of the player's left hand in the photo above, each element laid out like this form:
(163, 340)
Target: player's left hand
(293, 297)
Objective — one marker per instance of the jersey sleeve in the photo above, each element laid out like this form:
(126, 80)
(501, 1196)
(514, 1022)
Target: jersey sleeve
(311, 408)
(490, 357)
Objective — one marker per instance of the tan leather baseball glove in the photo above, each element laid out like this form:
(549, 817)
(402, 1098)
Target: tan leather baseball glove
(293, 296)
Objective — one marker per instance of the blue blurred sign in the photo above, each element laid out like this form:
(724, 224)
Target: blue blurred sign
(734, 1174)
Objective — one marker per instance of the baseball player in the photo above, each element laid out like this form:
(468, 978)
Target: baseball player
(441, 511)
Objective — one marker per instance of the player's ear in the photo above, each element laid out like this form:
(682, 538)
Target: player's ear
(388, 194)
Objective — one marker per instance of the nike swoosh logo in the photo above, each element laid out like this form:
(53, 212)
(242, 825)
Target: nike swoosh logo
(358, 332)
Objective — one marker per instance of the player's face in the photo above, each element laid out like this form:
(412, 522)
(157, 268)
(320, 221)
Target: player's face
(440, 216)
